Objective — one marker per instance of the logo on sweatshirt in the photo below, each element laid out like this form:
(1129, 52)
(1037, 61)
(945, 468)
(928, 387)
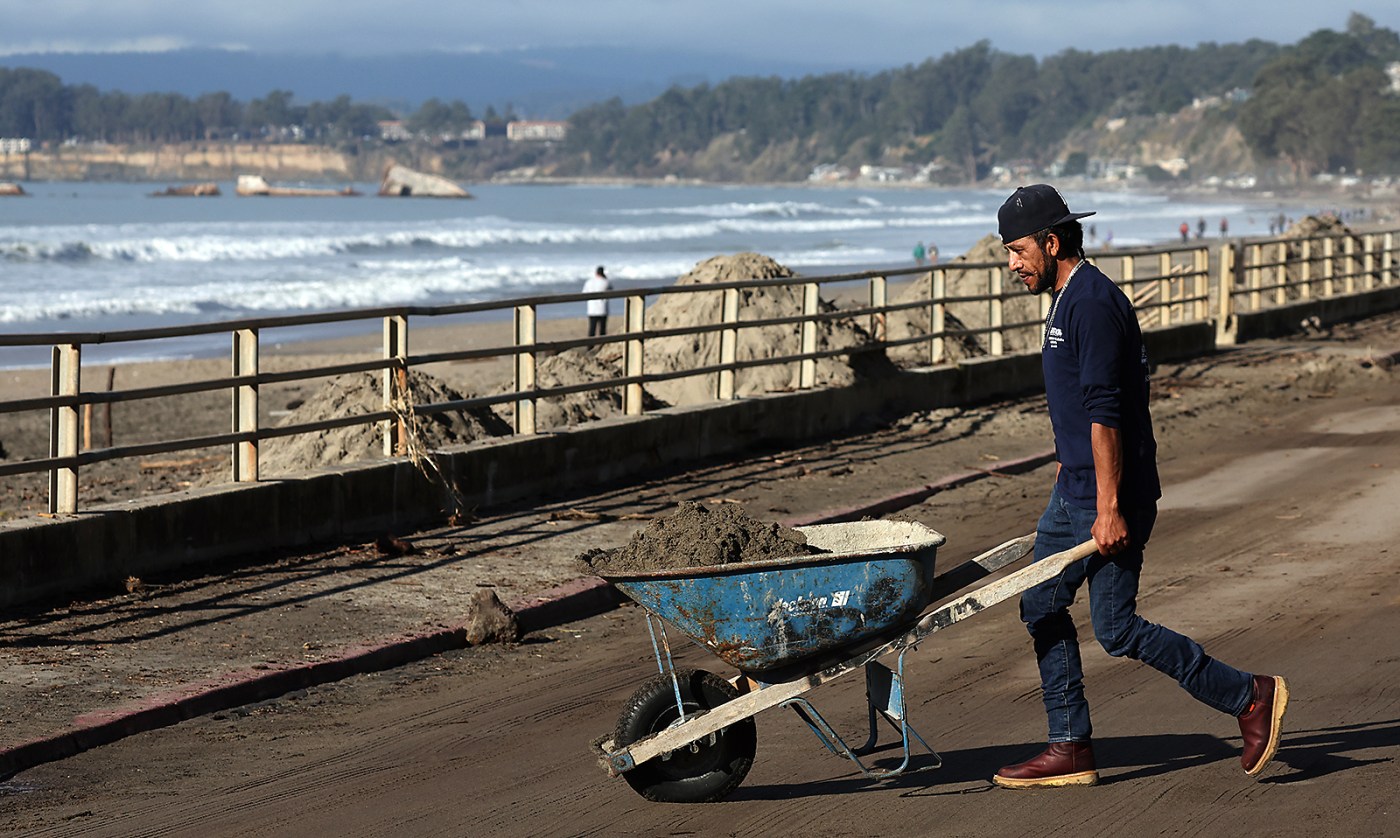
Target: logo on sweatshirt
(1054, 337)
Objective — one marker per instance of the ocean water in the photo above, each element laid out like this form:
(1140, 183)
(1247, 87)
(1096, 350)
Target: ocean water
(109, 256)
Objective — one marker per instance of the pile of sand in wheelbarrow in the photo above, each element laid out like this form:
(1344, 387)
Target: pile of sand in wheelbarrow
(1019, 307)
(360, 393)
(696, 535)
(683, 352)
(579, 365)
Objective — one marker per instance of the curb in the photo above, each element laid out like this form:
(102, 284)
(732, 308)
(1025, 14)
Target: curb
(574, 600)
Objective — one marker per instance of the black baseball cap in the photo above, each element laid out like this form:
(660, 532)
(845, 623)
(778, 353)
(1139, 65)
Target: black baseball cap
(1031, 209)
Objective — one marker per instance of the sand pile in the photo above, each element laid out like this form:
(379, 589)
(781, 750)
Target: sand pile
(696, 535)
(360, 393)
(1019, 307)
(1317, 225)
(1325, 375)
(576, 366)
(672, 354)
(1307, 227)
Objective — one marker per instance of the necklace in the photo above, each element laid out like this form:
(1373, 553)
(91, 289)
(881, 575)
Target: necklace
(1055, 306)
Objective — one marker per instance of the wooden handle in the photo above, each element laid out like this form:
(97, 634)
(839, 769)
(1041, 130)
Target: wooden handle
(1003, 588)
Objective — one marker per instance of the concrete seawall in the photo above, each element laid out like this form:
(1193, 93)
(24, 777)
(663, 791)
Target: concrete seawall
(47, 558)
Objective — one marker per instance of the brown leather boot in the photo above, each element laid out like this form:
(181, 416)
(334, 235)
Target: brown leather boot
(1262, 724)
(1061, 764)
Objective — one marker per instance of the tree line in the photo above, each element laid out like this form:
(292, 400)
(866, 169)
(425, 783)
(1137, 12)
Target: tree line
(37, 104)
(1330, 104)
(977, 106)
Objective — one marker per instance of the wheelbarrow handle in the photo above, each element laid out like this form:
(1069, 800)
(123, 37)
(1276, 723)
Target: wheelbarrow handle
(1003, 588)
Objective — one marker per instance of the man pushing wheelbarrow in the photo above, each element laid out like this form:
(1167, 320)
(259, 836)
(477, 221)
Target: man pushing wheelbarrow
(856, 592)
(1106, 488)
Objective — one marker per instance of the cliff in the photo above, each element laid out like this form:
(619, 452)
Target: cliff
(189, 161)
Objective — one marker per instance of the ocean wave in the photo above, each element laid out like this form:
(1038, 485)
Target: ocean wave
(364, 283)
(263, 246)
(739, 209)
(861, 207)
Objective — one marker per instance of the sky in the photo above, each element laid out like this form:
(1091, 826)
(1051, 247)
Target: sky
(861, 34)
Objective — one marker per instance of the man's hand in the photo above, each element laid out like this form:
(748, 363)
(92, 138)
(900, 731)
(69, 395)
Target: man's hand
(1110, 532)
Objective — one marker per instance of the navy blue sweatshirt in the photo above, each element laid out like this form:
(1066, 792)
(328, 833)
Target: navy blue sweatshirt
(1096, 371)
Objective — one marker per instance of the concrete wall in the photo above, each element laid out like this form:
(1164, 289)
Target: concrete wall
(1288, 319)
(45, 558)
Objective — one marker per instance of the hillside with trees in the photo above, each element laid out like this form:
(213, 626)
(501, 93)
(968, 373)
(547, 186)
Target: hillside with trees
(969, 108)
(1326, 104)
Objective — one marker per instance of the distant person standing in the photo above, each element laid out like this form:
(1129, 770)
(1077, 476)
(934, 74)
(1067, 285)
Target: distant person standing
(597, 309)
(1185, 231)
(919, 253)
(1224, 227)
(1201, 227)
(933, 254)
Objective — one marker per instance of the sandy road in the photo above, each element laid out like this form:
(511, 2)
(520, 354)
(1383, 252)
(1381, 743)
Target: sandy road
(1276, 547)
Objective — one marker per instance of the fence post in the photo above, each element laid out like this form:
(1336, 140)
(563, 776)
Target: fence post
(1128, 267)
(633, 353)
(728, 343)
(1305, 279)
(393, 431)
(524, 369)
(994, 319)
(1256, 255)
(879, 298)
(63, 429)
(245, 405)
(1349, 248)
(1388, 260)
(1329, 265)
(1229, 265)
(1201, 306)
(938, 291)
(807, 375)
(1368, 266)
(1164, 288)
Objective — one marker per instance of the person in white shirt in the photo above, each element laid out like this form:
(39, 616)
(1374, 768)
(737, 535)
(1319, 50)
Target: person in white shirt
(597, 309)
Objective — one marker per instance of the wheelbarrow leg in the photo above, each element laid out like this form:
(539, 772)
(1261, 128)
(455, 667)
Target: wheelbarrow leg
(668, 667)
(885, 697)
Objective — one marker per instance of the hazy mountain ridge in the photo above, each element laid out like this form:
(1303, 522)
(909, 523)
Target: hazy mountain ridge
(540, 83)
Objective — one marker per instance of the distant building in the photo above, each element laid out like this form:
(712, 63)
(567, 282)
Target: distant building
(882, 174)
(475, 132)
(393, 131)
(827, 172)
(15, 145)
(536, 131)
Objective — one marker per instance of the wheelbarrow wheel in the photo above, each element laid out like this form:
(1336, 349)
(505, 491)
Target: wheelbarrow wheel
(702, 772)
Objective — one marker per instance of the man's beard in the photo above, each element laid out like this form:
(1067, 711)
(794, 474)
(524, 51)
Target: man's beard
(1045, 278)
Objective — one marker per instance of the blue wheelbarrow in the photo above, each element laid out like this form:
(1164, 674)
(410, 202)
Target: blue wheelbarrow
(789, 625)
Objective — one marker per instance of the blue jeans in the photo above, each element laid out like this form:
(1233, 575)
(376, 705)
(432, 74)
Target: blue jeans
(1113, 587)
